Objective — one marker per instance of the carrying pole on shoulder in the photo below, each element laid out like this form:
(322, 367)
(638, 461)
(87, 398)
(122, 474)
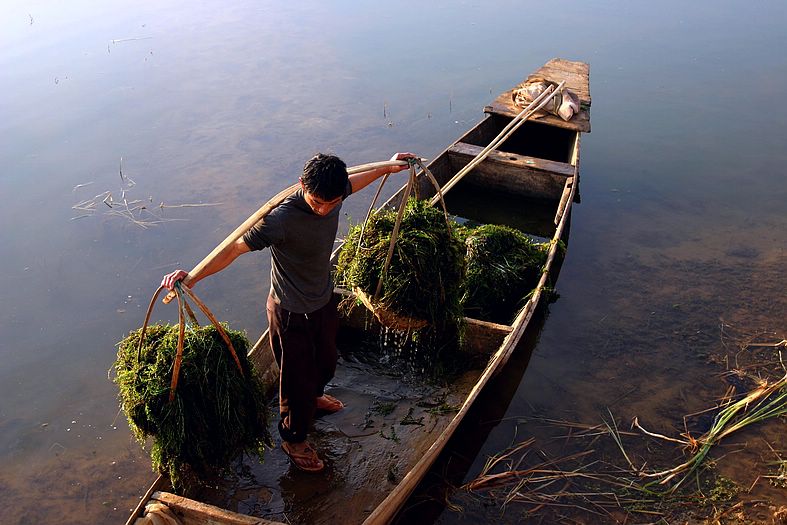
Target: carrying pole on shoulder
(265, 209)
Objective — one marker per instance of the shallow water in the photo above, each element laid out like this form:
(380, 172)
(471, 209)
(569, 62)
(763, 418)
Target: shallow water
(681, 225)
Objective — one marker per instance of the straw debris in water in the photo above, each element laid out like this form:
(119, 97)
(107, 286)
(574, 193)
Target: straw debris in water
(216, 414)
(766, 401)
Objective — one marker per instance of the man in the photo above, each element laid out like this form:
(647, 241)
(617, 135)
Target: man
(302, 318)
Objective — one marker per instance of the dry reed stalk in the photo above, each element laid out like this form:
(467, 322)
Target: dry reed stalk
(585, 429)
(615, 434)
(782, 343)
(75, 188)
(201, 205)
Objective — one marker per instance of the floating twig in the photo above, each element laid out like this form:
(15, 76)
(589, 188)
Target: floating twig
(635, 424)
(131, 39)
(81, 186)
(87, 205)
(783, 342)
(201, 205)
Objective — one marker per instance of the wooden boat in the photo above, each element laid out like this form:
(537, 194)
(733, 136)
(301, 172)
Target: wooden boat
(371, 471)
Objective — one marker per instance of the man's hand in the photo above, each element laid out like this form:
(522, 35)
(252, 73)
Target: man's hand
(401, 156)
(359, 181)
(170, 279)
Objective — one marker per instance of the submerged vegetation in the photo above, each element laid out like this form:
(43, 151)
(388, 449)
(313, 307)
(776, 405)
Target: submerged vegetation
(216, 413)
(584, 483)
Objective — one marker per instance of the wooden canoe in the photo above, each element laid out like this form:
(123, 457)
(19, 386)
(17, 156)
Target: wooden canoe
(375, 459)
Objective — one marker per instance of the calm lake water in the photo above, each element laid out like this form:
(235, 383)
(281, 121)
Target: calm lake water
(681, 230)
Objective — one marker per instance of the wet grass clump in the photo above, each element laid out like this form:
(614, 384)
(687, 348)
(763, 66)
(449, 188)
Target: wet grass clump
(425, 278)
(216, 413)
(503, 266)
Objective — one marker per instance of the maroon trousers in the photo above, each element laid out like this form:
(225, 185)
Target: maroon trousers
(304, 346)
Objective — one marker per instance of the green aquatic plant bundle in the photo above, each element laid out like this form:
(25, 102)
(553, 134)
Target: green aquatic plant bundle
(503, 266)
(426, 272)
(216, 413)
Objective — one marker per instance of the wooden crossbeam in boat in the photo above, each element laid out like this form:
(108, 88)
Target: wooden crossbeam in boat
(513, 161)
(509, 172)
(482, 336)
(191, 512)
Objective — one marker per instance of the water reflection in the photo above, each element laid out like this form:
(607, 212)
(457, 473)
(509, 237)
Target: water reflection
(682, 188)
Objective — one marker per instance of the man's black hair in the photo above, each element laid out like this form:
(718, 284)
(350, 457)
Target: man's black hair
(325, 176)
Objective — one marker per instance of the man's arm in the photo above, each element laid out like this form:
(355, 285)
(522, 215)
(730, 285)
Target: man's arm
(359, 181)
(223, 259)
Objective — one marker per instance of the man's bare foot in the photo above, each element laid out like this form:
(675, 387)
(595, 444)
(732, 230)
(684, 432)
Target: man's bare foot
(329, 404)
(303, 456)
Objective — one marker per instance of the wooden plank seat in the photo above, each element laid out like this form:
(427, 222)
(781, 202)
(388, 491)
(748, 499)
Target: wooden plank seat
(511, 172)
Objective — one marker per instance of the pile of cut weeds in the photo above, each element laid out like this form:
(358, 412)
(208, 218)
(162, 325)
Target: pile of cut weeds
(441, 272)
(503, 266)
(426, 272)
(216, 413)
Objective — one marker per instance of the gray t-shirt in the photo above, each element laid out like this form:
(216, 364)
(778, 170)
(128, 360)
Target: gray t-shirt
(301, 243)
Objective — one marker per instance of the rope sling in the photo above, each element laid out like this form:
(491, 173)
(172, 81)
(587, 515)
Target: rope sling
(185, 310)
(383, 315)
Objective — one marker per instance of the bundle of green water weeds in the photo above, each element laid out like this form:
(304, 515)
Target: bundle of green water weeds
(216, 413)
(425, 277)
(503, 266)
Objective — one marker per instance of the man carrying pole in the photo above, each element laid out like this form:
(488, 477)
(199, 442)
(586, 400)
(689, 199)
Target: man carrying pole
(302, 317)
